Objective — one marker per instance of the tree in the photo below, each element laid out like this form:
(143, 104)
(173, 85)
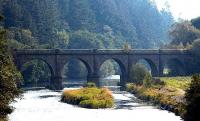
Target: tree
(9, 76)
(193, 100)
(138, 73)
(196, 22)
(195, 50)
(183, 32)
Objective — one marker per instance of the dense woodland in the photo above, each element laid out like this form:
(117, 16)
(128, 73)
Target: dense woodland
(106, 24)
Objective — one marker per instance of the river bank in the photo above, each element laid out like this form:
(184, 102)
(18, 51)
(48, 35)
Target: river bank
(168, 95)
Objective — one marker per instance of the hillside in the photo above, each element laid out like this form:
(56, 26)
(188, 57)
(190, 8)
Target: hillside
(105, 24)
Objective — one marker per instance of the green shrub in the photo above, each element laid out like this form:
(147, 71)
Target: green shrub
(147, 82)
(138, 73)
(89, 98)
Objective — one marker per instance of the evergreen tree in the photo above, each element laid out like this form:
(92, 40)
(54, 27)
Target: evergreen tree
(193, 100)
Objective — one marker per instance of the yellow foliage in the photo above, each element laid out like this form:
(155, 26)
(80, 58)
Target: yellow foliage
(89, 97)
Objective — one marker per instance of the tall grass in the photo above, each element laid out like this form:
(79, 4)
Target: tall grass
(177, 82)
(170, 93)
(93, 98)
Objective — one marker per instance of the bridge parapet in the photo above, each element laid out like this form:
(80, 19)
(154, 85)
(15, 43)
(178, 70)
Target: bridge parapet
(100, 51)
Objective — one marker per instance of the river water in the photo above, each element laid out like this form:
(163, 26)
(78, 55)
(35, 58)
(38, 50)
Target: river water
(45, 105)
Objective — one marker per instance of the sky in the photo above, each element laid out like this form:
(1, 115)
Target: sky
(185, 9)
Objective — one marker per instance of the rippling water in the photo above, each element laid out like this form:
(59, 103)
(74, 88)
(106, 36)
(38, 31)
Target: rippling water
(45, 105)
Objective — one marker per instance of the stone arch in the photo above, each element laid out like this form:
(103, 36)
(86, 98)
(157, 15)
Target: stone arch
(85, 63)
(21, 60)
(49, 67)
(152, 65)
(176, 67)
(123, 76)
(121, 65)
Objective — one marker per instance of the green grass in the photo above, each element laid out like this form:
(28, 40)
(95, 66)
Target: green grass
(177, 82)
(92, 98)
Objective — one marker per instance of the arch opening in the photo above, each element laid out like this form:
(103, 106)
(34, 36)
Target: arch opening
(36, 73)
(140, 69)
(149, 66)
(75, 73)
(111, 74)
(173, 67)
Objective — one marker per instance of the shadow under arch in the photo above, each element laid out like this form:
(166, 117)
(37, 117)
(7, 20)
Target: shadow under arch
(121, 68)
(150, 65)
(174, 67)
(36, 73)
(76, 63)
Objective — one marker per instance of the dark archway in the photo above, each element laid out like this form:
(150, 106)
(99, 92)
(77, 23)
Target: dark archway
(149, 65)
(174, 67)
(75, 72)
(115, 75)
(36, 73)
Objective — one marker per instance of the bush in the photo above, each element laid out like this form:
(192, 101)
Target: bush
(138, 73)
(193, 100)
(147, 82)
(93, 98)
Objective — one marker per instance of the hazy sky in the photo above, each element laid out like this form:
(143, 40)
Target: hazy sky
(185, 9)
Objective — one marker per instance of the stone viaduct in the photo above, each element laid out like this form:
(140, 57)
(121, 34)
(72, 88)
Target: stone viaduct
(94, 58)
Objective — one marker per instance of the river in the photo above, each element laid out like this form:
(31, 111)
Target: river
(45, 105)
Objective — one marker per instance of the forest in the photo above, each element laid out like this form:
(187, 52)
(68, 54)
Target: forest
(56, 23)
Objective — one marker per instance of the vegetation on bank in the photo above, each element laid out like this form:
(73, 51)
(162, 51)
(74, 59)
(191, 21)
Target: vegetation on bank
(192, 97)
(177, 82)
(89, 97)
(168, 92)
(9, 76)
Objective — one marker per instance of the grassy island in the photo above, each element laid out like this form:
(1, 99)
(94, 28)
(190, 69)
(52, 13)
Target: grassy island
(93, 98)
